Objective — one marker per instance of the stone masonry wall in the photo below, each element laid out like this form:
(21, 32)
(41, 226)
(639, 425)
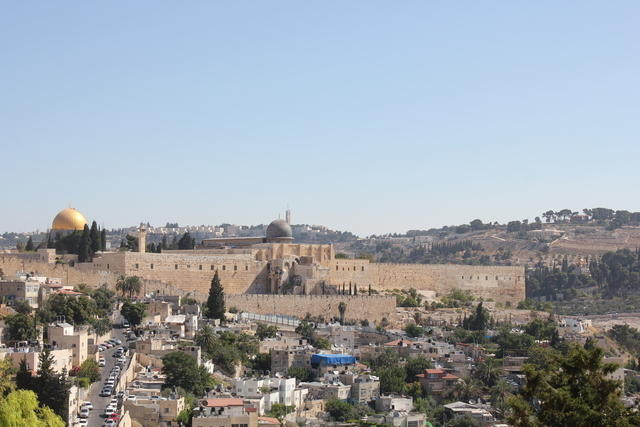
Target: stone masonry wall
(501, 284)
(359, 307)
(241, 274)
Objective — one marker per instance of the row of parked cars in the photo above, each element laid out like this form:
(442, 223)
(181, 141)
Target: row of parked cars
(85, 408)
(109, 344)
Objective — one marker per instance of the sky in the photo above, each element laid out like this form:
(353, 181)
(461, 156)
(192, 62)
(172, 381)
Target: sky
(368, 116)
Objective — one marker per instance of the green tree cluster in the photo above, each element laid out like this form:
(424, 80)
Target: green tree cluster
(51, 388)
(133, 312)
(77, 310)
(20, 327)
(573, 392)
(479, 320)
(182, 370)
(90, 370)
(128, 285)
(266, 331)
(226, 349)
(22, 408)
(83, 243)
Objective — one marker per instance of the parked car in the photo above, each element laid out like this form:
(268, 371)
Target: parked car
(106, 391)
(83, 422)
(84, 413)
(87, 405)
(102, 362)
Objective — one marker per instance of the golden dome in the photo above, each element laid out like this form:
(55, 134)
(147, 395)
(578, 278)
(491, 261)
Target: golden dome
(69, 219)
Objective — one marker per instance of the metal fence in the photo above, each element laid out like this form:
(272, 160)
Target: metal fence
(279, 319)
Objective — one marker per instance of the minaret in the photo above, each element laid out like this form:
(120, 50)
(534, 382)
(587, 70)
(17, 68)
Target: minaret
(288, 216)
(142, 238)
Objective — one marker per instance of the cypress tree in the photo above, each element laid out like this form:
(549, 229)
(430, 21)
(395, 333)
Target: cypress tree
(103, 240)
(95, 238)
(29, 245)
(50, 243)
(52, 389)
(84, 248)
(215, 302)
(24, 380)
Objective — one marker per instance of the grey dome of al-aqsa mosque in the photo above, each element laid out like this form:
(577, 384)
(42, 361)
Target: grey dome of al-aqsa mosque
(279, 230)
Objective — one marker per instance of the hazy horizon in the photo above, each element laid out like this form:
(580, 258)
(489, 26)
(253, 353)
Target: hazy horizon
(371, 117)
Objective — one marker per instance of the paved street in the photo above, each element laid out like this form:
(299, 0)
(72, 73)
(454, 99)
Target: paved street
(96, 416)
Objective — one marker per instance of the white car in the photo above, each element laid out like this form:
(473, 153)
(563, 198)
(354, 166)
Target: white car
(82, 422)
(87, 405)
(110, 423)
(84, 413)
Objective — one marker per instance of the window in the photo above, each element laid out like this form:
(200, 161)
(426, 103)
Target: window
(188, 265)
(211, 267)
(107, 266)
(176, 266)
(363, 268)
(246, 268)
(496, 277)
(224, 267)
(462, 277)
(235, 268)
(151, 266)
(337, 268)
(486, 277)
(200, 267)
(137, 266)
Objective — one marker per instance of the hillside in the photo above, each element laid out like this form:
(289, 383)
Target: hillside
(496, 245)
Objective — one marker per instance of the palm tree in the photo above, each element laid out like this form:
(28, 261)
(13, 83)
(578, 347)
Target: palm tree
(465, 389)
(128, 284)
(500, 392)
(121, 284)
(205, 338)
(133, 285)
(488, 372)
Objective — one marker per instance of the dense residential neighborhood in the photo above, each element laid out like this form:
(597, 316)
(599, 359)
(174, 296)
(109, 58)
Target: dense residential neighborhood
(167, 360)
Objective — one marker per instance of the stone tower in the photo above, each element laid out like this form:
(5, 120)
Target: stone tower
(142, 238)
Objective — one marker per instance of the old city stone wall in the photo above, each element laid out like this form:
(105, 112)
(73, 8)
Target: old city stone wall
(241, 273)
(501, 284)
(359, 307)
(10, 265)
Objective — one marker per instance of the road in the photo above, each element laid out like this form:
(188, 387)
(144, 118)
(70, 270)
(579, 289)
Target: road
(96, 416)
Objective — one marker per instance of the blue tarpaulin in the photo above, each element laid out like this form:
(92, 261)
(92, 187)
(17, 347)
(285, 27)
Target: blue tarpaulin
(332, 359)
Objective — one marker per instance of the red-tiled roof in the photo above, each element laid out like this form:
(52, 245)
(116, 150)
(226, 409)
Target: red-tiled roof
(434, 371)
(223, 401)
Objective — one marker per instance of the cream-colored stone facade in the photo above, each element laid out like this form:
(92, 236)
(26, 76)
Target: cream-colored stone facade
(271, 268)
